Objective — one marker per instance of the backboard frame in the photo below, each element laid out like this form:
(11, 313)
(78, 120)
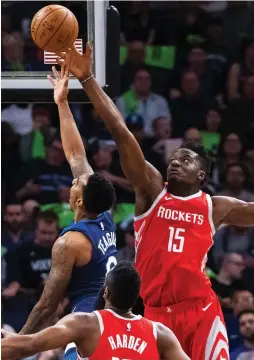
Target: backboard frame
(39, 90)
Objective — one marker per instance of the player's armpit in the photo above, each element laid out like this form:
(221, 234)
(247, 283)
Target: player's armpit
(231, 211)
(63, 260)
(168, 345)
(69, 329)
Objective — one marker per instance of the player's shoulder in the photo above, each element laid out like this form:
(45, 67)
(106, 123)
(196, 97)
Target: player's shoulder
(82, 320)
(163, 332)
(72, 241)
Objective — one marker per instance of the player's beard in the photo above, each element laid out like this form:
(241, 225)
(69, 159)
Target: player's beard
(100, 302)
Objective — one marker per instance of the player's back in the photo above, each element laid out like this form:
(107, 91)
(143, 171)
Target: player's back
(123, 338)
(172, 241)
(87, 280)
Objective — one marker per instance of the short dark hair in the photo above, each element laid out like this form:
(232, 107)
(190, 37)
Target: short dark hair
(123, 283)
(245, 312)
(48, 217)
(204, 158)
(99, 194)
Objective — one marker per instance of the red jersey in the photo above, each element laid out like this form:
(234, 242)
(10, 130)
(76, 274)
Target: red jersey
(172, 241)
(125, 339)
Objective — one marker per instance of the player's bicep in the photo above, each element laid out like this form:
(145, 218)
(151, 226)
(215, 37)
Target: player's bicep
(231, 211)
(63, 261)
(80, 166)
(168, 345)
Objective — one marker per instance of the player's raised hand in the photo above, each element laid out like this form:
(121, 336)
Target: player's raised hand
(60, 82)
(79, 65)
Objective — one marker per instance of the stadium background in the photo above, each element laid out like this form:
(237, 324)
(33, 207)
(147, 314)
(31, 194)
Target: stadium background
(186, 72)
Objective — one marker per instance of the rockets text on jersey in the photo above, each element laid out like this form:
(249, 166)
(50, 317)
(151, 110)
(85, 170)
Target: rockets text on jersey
(172, 240)
(125, 339)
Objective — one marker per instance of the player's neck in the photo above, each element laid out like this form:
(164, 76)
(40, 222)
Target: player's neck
(125, 314)
(79, 215)
(181, 190)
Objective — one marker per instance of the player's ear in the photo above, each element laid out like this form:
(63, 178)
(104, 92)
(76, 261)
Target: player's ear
(79, 202)
(105, 295)
(201, 175)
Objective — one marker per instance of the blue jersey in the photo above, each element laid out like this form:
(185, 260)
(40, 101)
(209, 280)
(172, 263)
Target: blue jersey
(87, 280)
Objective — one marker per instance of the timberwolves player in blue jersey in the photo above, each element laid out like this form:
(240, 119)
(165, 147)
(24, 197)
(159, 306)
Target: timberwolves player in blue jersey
(86, 249)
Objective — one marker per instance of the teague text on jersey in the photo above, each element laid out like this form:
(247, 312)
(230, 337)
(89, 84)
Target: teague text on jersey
(127, 342)
(106, 241)
(178, 215)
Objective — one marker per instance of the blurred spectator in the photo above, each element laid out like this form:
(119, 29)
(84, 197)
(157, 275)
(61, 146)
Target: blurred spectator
(31, 209)
(13, 233)
(230, 152)
(241, 70)
(32, 144)
(128, 251)
(13, 52)
(192, 135)
(242, 109)
(15, 305)
(235, 181)
(189, 109)
(10, 155)
(241, 299)
(232, 266)
(138, 23)
(206, 72)
(103, 160)
(232, 239)
(35, 257)
(19, 116)
(41, 179)
(210, 135)
(249, 163)
(135, 60)
(140, 100)
(245, 351)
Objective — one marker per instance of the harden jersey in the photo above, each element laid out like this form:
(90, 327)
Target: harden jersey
(172, 241)
(122, 338)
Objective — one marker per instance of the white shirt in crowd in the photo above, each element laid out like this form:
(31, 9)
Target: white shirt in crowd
(153, 107)
(19, 118)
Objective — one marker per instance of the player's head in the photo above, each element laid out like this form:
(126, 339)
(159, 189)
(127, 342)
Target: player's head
(189, 166)
(122, 287)
(92, 193)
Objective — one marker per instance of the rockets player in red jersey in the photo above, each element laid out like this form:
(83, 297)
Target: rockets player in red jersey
(174, 225)
(111, 334)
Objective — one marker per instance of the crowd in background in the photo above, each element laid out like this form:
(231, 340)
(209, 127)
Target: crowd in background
(206, 95)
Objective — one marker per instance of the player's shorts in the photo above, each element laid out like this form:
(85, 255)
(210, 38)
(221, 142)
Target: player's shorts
(87, 304)
(199, 327)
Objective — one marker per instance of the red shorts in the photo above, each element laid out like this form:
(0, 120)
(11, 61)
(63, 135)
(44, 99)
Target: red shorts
(198, 326)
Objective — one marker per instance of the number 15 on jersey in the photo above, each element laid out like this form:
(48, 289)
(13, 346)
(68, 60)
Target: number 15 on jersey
(176, 239)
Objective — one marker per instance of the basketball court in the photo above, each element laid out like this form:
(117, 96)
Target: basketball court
(26, 81)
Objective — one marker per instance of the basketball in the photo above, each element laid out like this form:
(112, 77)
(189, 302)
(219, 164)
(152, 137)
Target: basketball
(54, 28)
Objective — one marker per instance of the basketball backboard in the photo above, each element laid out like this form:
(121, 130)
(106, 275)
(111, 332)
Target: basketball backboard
(25, 67)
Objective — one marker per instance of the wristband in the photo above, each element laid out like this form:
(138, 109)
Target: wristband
(85, 80)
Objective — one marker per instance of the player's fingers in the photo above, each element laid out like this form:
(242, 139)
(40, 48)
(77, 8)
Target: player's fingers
(61, 55)
(88, 49)
(53, 82)
(62, 69)
(55, 72)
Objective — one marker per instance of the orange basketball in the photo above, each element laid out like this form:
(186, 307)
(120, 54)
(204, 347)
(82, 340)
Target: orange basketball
(54, 28)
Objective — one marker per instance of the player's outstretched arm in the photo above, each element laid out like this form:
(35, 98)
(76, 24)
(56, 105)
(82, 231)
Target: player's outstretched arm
(69, 329)
(231, 211)
(137, 170)
(72, 143)
(168, 345)
(64, 257)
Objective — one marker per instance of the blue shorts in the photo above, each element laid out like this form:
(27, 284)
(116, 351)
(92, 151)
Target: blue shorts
(87, 304)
